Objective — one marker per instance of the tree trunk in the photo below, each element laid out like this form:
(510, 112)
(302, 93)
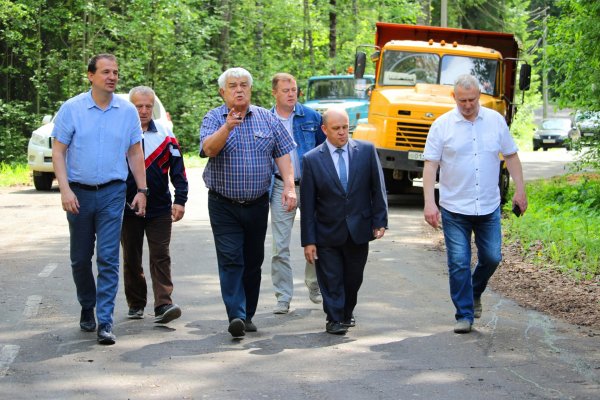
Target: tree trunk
(223, 45)
(425, 18)
(332, 33)
(259, 32)
(308, 37)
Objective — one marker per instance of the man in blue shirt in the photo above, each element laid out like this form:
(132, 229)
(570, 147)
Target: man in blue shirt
(163, 161)
(242, 141)
(96, 134)
(305, 125)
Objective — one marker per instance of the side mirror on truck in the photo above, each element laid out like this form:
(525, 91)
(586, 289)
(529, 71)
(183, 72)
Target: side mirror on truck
(359, 64)
(525, 77)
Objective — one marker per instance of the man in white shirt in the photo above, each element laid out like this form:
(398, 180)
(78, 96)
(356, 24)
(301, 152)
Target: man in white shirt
(465, 143)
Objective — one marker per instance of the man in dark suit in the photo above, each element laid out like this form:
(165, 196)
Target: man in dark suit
(344, 206)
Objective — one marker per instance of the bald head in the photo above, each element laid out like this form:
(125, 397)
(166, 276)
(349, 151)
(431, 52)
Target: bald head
(335, 126)
(331, 111)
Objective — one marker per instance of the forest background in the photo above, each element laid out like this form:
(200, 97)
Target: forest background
(180, 47)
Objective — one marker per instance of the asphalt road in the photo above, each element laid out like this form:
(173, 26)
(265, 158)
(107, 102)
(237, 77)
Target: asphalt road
(403, 346)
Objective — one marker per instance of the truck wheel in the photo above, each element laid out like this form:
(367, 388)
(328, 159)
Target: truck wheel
(503, 183)
(43, 180)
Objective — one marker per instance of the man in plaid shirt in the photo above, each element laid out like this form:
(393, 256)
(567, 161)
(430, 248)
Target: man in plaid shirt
(242, 141)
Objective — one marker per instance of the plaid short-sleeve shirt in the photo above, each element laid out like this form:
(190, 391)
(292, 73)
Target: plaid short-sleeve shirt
(242, 170)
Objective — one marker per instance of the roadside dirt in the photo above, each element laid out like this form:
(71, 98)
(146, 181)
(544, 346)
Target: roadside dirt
(545, 289)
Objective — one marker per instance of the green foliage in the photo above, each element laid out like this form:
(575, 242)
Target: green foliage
(14, 174)
(14, 121)
(574, 57)
(180, 47)
(561, 227)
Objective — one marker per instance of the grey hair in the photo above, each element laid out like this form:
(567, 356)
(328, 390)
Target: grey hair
(467, 82)
(237, 72)
(143, 90)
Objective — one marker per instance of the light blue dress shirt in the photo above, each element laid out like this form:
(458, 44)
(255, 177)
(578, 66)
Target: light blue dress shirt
(97, 140)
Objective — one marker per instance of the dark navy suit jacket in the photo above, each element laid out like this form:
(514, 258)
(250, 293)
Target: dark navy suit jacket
(329, 214)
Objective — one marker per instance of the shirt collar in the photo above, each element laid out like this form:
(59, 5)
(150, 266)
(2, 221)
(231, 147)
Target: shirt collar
(282, 118)
(91, 103)
(458, 117)
(332, 148)
(225, 110)
(151, 127)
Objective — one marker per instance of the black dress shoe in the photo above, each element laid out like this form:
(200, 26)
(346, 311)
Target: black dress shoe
(250, 327)
(87, 322)
(105, 335)
(350, 322)
(237, 328)
(335, 328)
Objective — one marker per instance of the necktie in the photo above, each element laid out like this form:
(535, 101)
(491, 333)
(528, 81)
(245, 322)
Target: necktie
(342, 168)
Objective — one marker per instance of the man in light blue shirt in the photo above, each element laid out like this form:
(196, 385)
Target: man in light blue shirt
(96, 134)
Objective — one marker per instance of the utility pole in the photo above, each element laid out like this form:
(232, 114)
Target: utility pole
(444, 14)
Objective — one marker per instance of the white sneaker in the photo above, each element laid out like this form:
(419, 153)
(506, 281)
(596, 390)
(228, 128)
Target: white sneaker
(282, 307)
(315, 295)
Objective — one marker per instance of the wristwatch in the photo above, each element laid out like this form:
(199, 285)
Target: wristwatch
(145, 191)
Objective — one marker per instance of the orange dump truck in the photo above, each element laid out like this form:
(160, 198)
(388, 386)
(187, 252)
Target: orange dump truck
(415, 69)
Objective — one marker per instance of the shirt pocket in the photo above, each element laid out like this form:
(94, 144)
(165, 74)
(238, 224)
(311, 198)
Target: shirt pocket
(263, 142)
(309, 133)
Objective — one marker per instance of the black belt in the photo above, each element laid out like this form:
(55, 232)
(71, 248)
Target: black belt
(239, 202)
(296, 182)
(93, 187)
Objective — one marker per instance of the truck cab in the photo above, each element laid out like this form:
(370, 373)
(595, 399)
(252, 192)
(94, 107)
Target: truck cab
(415, 69)
(353, 94)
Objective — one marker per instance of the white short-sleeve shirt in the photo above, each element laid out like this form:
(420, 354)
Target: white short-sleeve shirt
(468, 153)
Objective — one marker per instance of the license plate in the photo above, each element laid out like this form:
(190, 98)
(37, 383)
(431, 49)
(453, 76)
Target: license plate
(549, 141)
(414, 155)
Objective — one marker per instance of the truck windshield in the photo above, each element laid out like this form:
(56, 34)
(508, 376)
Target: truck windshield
(481, 68)
(402, 68)
(338, 88)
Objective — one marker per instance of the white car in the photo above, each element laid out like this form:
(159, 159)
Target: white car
(39, 150)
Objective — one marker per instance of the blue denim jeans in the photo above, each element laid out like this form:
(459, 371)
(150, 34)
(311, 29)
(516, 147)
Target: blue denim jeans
(98, 223)
(239, 232)
(464, 287)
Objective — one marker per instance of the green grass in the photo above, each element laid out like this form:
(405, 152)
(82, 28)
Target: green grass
(193, 160)
(14, 174)
(561, 228)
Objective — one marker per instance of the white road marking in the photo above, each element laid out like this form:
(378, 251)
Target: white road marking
(32, 306)
(47, 270)
(7, 356)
